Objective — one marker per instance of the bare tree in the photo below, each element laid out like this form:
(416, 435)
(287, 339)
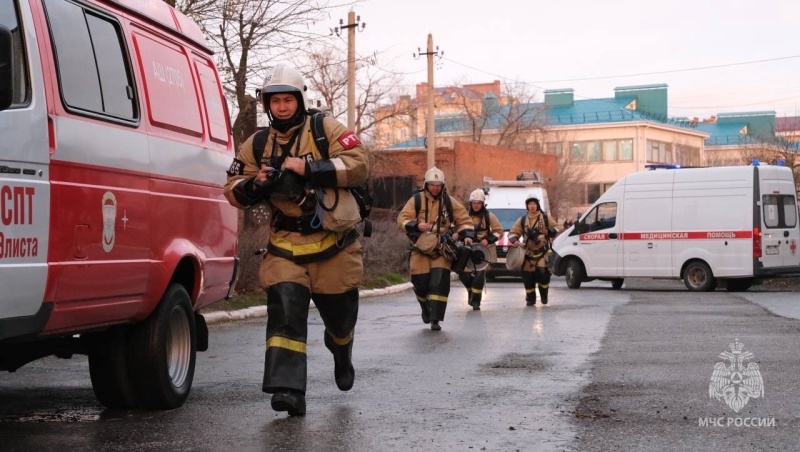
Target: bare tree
(325, 70)
(770, 150)
(512, 119)
(196, 9)
(250, 36)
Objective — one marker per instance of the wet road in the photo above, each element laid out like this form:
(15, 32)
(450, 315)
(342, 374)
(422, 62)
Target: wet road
(596, 369)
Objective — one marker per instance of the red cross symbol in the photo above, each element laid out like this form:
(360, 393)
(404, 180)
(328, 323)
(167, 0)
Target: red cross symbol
(793, 246)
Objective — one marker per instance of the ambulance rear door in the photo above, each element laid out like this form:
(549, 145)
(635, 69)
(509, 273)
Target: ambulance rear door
(780, 233)
(24, 176)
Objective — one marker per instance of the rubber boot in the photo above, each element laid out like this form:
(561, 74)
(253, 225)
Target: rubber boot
(291, 401)
(343, 364)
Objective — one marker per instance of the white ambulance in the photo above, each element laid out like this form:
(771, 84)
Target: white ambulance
(734, 224)
(506, 199)
(114, 141)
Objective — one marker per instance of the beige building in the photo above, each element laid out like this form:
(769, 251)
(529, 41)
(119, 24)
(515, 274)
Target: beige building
(604, 138)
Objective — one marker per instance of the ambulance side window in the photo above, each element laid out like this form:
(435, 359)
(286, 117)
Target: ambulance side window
(603, 216)
(93, 71)
(19, 75)
(779, 211)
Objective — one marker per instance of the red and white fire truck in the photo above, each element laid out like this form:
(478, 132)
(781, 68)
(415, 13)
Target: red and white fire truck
(114, 140)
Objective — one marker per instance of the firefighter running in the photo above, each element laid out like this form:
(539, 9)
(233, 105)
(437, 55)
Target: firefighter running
(429, 218)
(535, 231)
(303, 262)
(488, 230)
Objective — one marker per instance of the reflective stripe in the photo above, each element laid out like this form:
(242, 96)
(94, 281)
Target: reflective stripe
(544, 286)
(306, 249)
(530, 290)
(474, 290)
(289, 344)
(422, 299)
(341, 340)
(441, 298)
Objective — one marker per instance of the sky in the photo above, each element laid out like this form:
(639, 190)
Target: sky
(716, 56)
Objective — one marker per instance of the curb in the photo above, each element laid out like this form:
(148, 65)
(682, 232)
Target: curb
(261, 311)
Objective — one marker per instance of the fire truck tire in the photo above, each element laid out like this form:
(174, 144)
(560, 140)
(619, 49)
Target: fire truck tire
(617, 283)
(574, 273)
(108, 368)
(698, 277)
(163, 350)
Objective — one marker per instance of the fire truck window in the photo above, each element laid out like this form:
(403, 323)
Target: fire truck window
(92, 71)
(19, 75)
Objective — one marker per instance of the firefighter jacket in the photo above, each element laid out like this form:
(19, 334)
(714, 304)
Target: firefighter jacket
(488, 227)
(533, 229)
(294, 234)
(434, 211)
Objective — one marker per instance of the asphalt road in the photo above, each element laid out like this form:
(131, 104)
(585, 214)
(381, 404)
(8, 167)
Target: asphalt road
(596, 369)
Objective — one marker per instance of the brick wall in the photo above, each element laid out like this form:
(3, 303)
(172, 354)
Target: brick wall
(465, 166)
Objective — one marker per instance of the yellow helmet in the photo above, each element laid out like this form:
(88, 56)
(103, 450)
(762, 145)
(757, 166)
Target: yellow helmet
(434, 176)
(477, 195)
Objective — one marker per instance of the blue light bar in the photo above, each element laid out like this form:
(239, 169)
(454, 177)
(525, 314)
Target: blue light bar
(655, 166)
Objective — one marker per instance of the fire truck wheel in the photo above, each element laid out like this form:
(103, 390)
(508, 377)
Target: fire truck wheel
(617, 283)
(574, 273)
(698, 277)
(108, 368)
(163, 350)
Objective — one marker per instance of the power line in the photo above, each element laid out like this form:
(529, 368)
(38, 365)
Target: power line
(602, 77)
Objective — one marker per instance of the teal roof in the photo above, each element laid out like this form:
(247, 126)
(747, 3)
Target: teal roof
(563, 110)
(723, 134)
(413, 143)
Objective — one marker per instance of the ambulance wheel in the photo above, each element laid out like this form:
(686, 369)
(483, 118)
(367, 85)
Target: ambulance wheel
(739, 284)
(163, 351)
(574, 274)
(616, 284)
(108, 368)
(698, 277)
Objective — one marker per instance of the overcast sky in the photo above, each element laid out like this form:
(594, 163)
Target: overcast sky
(715, 55)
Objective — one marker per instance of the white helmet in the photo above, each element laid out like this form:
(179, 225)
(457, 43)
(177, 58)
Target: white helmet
(434, 176)
(477, 195)
(284, 79)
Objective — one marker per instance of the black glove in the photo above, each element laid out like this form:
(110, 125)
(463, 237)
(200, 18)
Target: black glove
(287, 185)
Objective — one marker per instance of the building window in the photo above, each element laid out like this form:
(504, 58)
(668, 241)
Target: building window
(593, 191)
(554, 147)
(659, 152)
(687, 155)
(586, 151)
(625, 149)
(606, 150)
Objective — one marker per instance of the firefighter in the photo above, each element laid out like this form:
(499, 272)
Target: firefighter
(488, 230)
(533, 232)
(429, 218)
(303, 262)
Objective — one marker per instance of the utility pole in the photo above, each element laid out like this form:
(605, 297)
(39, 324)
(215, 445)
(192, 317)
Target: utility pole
(431, 132)
(353, 23)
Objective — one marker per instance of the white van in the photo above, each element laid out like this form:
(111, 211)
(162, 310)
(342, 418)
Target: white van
(734, 224)
(506, 199)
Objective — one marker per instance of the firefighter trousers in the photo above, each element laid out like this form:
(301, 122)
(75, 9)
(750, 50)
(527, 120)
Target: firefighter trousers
(474, 283)
(285, 363)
